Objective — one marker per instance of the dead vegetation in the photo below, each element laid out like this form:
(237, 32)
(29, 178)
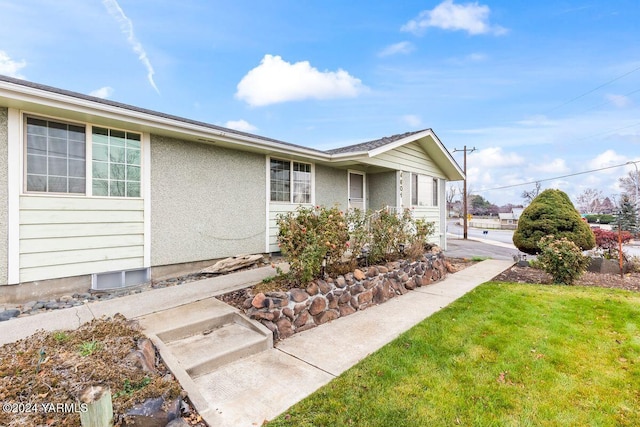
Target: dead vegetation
(54, 368)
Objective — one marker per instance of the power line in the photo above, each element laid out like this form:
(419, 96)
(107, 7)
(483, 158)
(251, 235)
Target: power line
(593, 90)
(551, 179)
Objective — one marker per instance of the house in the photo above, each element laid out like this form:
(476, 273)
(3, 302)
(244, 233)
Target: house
(509, 220)
(104, 194)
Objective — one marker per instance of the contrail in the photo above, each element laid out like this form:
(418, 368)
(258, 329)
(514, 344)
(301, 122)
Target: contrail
(126, 26)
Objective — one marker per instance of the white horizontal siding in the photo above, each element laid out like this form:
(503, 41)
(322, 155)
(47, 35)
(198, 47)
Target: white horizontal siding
(430, 214)
(410, 157)
(68, 270)
(69, 236)
(276, 209)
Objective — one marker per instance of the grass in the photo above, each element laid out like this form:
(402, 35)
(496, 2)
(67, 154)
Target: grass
(87, 348)
(502, 355)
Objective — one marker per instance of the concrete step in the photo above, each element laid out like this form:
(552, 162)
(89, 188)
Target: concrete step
(210, 348)
(198, 338)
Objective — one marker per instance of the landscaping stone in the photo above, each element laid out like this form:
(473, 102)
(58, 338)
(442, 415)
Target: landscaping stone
(288, 312)
(153, 413)
(323, 286)
(318, 305)
(327, 299)
(326, 316)
(9, 314)
(346, 310)
(298, 295)
(313, 289)
(258, 300)
(344, 298)
(285, 328)
(302, 319)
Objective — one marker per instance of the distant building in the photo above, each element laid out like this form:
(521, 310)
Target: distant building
(509, 220)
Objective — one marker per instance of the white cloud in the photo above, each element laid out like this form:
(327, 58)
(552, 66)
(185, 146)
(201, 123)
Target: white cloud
(606, 159)
(276, 80)
(556, 166)
(397, 48)
(9, 67)
(241, 125)
(412, 120)
(470, 17)
(619, 101)
(126, 26)
(494, 157)
(103, 92)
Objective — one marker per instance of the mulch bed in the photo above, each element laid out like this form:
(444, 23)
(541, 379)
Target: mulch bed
(629, 281)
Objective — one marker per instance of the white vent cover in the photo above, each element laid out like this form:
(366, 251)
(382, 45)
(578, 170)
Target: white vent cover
(119, 279)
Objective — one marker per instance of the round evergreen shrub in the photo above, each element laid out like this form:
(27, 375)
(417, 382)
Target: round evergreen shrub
(551, 213)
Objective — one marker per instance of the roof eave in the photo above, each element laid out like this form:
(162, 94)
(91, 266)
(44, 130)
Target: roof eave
(30, 95)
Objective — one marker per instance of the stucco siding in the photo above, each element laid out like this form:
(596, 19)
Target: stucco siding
(331, 186)
(207, 202)
(410, 157)
(69, 236)
(382, 189)
(4, 156)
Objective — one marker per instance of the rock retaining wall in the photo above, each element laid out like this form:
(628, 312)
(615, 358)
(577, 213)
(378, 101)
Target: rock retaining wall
(296, 310)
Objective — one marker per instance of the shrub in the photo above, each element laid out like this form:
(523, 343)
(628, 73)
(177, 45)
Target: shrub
(308, 236)
(551, 213)
(562, 259)
(600, 219)
(607, 241)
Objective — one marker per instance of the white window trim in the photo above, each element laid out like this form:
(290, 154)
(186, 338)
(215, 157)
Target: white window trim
(145, 161)
(431, 192)
(15, 167)
(312, 200)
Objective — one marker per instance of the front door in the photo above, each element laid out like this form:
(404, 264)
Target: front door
(356, 190)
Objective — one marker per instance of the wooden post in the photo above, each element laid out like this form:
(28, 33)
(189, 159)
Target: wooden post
(620, 247)
(99, 411)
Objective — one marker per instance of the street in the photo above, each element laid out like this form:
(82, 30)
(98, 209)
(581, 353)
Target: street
(505, 237)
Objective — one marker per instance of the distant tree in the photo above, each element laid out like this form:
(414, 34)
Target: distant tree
(628, 219)
(478, 205)
(588, 200)
(551, 213)
(450, 196)
(528, 196)
(628, 184)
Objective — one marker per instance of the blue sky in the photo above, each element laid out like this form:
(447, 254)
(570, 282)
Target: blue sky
(541, 89)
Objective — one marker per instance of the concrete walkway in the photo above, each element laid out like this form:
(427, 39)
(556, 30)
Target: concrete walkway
(261, 387)
(257, 388)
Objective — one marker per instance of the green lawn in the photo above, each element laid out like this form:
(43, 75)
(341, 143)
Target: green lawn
(503, 355)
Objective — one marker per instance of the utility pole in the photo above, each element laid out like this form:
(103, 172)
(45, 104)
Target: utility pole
(464, 190)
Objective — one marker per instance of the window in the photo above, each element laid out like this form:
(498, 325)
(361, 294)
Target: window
(55, 157)
(282, 174)
(424, 190)
(116, 163)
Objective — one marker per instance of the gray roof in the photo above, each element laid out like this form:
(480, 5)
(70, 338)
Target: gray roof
(365, 146)
(142, 110)
(372, 145)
